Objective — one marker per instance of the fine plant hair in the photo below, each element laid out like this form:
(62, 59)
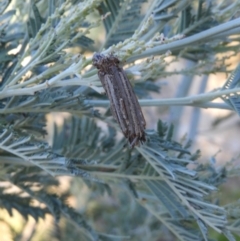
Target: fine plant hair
(46, 67)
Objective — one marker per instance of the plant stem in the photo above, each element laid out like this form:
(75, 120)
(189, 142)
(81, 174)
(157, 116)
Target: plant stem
(165, 102)
(188, 41)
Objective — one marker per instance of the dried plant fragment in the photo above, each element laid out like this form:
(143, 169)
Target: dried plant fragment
(124, 104)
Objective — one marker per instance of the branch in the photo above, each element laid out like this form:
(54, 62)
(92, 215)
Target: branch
(190, 41)
(166, 102)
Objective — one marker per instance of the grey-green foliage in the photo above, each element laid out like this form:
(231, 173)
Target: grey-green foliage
(44, 75)
(27, 179)
(231, 83)
(121, 14)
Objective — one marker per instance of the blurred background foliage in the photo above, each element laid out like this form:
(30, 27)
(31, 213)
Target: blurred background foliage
(66, 171)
